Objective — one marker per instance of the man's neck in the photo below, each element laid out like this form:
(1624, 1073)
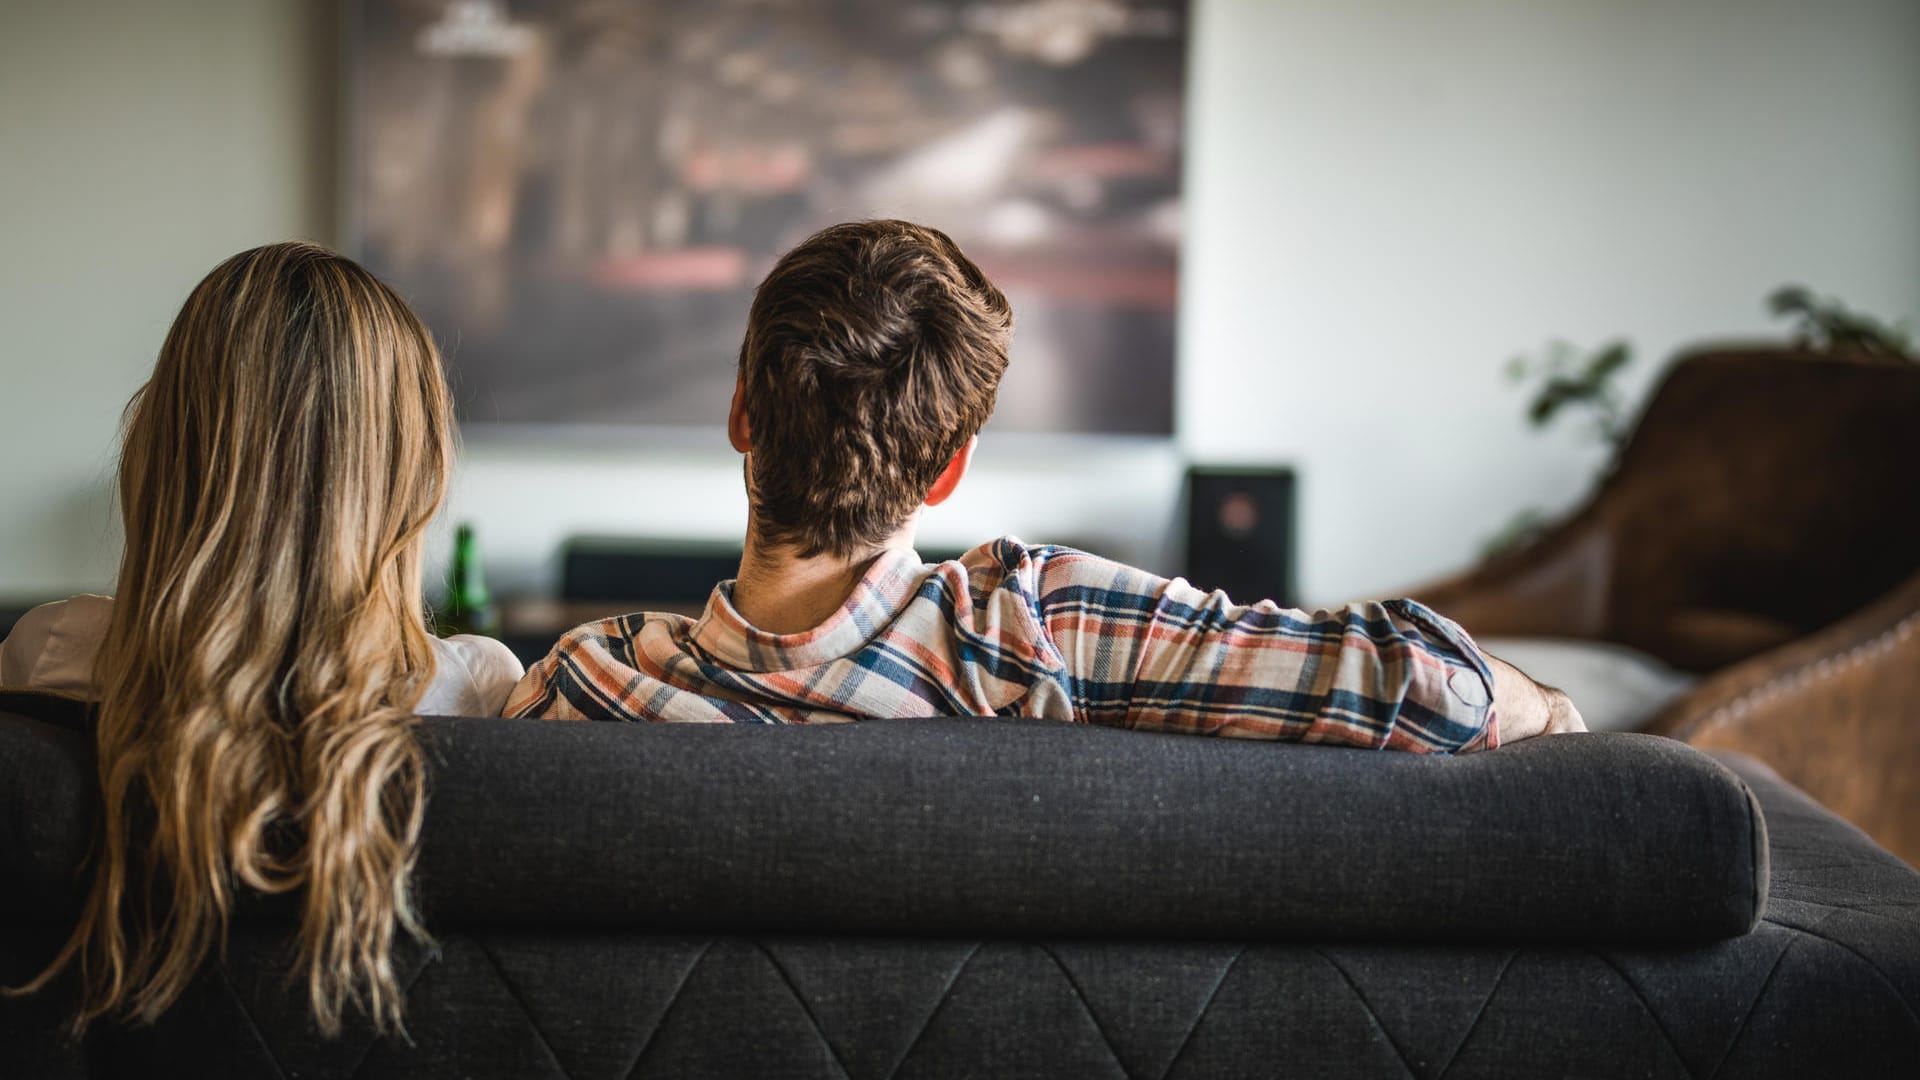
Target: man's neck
(782, 592)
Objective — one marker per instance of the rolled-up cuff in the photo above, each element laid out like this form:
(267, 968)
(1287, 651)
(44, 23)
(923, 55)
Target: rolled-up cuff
(1468, 693)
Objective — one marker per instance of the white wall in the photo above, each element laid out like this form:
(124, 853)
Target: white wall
(1391, 197)
(140, 144)
(1387, 198)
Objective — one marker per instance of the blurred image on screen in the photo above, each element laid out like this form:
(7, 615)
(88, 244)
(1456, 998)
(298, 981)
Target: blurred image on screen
(580, 195)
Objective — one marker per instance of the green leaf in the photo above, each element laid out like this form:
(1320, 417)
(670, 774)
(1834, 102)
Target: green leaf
(1609, 360)
(1790, 299)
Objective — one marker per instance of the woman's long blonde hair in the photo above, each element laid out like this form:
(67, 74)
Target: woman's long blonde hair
(268, 642)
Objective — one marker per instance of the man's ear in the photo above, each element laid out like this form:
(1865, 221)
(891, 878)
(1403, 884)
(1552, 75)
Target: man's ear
(738, 433)
(950, 476)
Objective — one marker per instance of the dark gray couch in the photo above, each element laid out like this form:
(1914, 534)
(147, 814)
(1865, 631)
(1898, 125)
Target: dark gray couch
(1001, 899)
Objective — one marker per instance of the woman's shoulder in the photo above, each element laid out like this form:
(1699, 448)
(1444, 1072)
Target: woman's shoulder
(479, 655)
(472, 678)
(83, 608)
(52, 646)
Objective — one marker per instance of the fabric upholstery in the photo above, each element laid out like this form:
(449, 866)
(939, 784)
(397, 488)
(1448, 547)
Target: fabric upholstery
(1834, 712)
(1009, 827)
(1827, 985)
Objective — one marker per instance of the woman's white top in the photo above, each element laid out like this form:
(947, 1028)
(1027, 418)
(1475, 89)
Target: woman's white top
(52, 648)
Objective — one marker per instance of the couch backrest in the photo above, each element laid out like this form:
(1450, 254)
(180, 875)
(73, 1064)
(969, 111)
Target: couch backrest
(1765, 493)
(1008, 827)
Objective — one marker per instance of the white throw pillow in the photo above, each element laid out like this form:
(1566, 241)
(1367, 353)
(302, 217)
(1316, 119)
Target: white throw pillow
(1614, 687)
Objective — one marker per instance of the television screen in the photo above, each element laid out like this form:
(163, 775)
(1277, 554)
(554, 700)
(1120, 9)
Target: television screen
(580, 195)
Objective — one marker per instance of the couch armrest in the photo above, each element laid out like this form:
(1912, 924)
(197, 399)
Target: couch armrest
(1836, 713)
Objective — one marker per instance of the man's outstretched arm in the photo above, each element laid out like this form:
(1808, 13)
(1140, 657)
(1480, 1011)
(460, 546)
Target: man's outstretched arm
(1144, 652)
(1526, 708)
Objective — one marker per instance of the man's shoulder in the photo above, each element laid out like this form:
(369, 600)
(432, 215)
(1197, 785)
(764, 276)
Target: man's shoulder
(1010, 553)
(1061, 562)
(52, 647)
(580, 676)
(1005, 562)
(616, 640)
(624, 627)
(1050, 571)
(597, 632)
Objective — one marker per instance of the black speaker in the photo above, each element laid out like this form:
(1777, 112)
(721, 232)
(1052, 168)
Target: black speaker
(1240, 532)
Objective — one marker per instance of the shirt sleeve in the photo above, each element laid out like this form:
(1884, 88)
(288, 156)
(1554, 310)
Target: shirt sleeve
(576, 681)
(1154, 654)
(52, 648)
(489, 671)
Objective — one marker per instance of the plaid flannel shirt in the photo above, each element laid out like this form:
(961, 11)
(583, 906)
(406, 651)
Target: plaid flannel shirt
(1049, 632)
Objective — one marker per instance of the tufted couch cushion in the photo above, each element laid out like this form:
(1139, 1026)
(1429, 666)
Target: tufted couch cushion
(1827, 985)
(1026, 828)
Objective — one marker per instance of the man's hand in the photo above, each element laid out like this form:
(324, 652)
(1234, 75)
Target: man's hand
(1524, 708)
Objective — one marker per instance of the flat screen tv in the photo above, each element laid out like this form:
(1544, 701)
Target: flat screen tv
(580, 195)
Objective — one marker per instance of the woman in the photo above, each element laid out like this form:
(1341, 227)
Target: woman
(260, 667)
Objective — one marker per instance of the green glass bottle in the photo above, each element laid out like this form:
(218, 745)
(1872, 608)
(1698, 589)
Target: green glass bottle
(470, 607)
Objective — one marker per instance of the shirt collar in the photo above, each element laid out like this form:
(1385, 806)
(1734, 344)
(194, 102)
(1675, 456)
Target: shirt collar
(890, 581)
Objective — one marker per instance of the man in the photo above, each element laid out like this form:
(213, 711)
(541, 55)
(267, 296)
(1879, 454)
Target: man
(872, 356)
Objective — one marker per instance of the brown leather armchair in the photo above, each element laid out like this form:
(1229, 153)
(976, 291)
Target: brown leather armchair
(1761, 527)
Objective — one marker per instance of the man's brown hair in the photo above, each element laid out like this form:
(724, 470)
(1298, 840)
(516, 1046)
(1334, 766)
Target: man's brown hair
(873, 353)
